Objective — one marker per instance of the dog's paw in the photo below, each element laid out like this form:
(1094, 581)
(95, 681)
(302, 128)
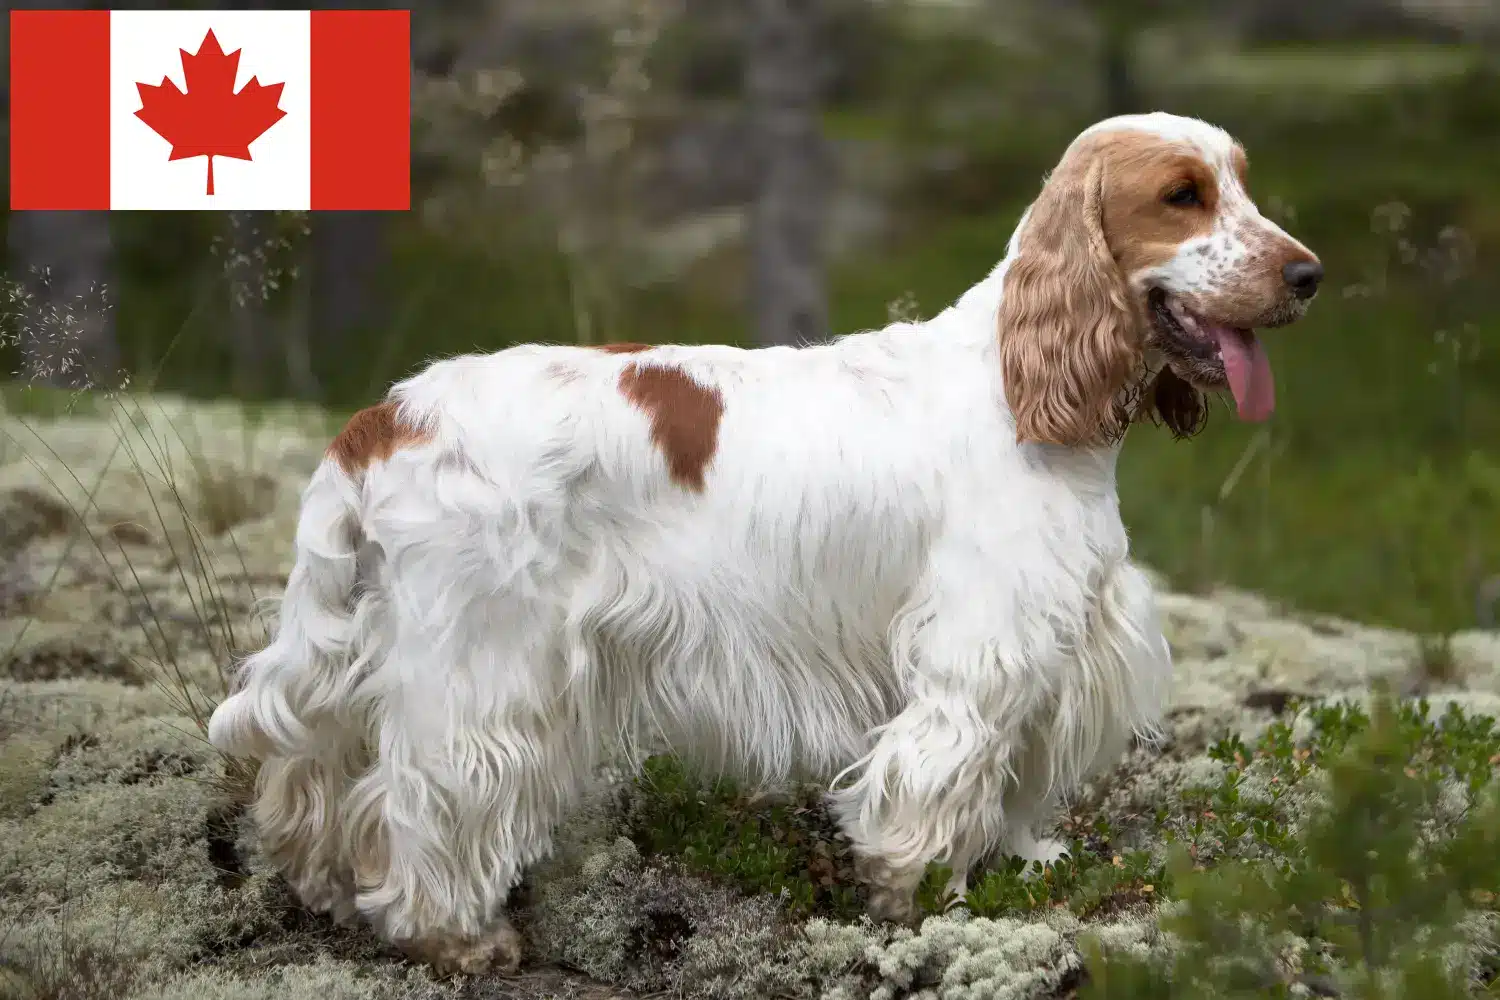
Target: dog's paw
(325, 892)
(957, 892)
(1039, 850)
(892, 892)
(956, 901)
(498, 951)
(887, 903)
(1049, 850)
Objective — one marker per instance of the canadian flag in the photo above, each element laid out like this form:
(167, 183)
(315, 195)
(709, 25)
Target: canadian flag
(201, 109)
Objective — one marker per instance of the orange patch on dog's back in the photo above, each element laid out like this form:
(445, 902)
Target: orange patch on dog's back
(373, 434)
(684, 418)
(622, 348)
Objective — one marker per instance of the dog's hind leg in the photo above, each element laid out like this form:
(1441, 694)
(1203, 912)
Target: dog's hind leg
(482, 747)
(291, 709)
(297, 808)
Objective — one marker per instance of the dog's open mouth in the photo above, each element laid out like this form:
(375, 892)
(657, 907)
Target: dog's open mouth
(1223, 354)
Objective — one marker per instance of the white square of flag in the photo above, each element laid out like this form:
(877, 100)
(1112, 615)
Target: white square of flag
(273, 47)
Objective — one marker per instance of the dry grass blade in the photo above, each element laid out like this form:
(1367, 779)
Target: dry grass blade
(212, 615)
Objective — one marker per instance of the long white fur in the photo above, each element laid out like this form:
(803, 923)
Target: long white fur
(877, 585)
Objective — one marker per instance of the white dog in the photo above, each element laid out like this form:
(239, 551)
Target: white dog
(895, 561)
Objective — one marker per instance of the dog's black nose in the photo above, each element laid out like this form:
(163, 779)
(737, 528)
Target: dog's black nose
(1303, 276)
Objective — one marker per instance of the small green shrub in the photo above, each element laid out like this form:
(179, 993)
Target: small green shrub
(1383, 888)
(793, 849)
(790, 848)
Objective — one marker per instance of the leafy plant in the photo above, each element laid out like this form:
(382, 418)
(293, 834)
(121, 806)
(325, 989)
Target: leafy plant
(1385, 889)
(789, 848)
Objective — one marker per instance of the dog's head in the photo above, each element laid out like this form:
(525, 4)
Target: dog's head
(1144, 263)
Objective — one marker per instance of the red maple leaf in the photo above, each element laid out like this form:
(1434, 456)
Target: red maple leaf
(210, 119)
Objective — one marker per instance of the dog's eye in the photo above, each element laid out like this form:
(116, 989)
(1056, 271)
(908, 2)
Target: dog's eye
(1183, 196)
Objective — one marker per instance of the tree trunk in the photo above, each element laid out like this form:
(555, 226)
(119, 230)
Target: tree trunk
(784, 82)
(348, 252)
(63, 263)
(296, 335)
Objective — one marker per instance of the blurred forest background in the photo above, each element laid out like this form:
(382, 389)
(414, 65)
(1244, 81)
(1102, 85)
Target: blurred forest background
(770, 171)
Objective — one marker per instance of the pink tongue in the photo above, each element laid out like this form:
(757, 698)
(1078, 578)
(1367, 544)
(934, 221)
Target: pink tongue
(1249, 372)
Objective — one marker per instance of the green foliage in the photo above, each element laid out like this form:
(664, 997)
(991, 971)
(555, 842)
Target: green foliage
(787, 849)
(1087, 882)
(1383, 889)
(793, 849)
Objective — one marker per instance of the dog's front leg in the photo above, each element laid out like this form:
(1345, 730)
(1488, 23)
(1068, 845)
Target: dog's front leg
(940, 775)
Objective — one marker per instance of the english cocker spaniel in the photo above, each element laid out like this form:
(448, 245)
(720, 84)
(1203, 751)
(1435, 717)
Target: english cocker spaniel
(894, 561)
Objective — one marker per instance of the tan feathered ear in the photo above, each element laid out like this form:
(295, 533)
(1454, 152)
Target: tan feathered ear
(1068, 337)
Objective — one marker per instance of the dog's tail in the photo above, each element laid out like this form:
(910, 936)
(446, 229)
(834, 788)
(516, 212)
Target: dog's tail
(303, 674)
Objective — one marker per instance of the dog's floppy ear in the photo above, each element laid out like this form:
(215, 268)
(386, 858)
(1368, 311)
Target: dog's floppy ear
(1068, 337)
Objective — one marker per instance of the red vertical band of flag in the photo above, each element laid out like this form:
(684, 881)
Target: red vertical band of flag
(361, 109)
(59, 109)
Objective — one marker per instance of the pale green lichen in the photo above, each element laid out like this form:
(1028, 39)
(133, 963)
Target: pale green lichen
(63, 708)
(955, 957)
(654, 927)
(1139, 937)
(144, 832)
(140, 751)
(25, 768)
(324, 979)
